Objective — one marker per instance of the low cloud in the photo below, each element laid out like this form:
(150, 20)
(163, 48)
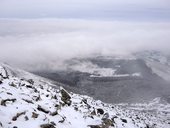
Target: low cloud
(34, 44)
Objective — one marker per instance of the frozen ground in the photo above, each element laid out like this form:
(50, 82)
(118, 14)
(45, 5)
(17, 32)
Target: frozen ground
(25, 103)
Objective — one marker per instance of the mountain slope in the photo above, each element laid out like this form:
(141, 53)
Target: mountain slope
(113, 79)
(24, 103)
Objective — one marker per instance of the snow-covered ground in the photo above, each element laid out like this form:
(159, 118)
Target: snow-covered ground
(25, 103)
(158, 62)
(96, 71)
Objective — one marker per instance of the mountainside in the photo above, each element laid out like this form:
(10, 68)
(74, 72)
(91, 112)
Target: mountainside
(135, 78)
(36, 103)
(158, 62)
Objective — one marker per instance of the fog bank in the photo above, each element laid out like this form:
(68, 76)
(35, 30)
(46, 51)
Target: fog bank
(36, 44)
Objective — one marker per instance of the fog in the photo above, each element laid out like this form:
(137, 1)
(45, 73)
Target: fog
(46, 43)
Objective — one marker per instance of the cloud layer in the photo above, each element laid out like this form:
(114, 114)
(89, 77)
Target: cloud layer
(30, 43)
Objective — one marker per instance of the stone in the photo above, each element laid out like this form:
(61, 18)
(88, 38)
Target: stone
(100, 111)
(47, 126)
(65, 97)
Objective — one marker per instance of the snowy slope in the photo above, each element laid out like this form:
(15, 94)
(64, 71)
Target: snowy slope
(158, 62)
(25, 104)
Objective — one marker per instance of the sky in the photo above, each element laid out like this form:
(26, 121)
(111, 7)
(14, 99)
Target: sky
(36, 33)
(87, 9)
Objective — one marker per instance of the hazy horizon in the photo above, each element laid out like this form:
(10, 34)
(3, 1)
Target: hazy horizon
(40, 32)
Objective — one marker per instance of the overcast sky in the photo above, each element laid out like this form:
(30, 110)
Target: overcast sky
(34, 33)
(87, 9)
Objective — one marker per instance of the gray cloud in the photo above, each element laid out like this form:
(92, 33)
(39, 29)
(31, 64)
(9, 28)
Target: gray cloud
(31, 43)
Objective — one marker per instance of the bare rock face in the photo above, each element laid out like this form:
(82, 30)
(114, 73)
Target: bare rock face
(65, 97)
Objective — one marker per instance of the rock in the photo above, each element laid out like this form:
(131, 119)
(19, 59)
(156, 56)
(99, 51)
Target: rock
(30, 81)
(54, 97)
(18, 115)
(42, 109)
(94, 126)
(38, 98)
(58, 107)
(1, 124)
(100, 111)
(63, 119)
(12, 84)
(105, 116)
(47, 126)
(3, 102)
(84, 101)
(76, 108)
(28, 101)
(0, 81)
(53, 123)
(34, 115)
(29, 86)
(93, 112)
(65, 97)
(26, 118)
(124, 120)
(107, 123)
(54, 113)
(3, 73)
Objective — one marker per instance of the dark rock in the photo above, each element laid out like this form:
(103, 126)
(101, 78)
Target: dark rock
(147, 126)
(9, 93)
(1, 124)
(34, 115)
(61, 121)
(54, 97)
(47, 126)
(30, 81)
(76, 108)
(94, 126)
(26, 118)
(29, 86)
(100, 111)
(84, 101)
(42, 109)
(18, 115)
(3, 102)
(107, 123)
(53, 123)
(38, 98)
(124, 120)
(93, 112)
(65, 97)
(54, 113)
(12, 84)
(28, 101)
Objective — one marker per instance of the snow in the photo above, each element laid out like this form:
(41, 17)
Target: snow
(158, 62)
(93, 69)
(77, 114)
